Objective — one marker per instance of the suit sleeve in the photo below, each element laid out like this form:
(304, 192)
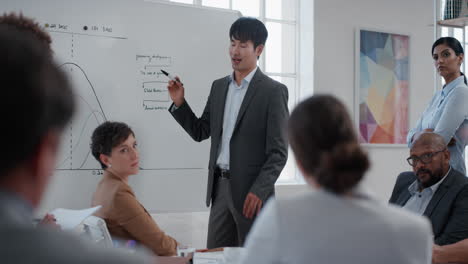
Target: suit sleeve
(276, 143)
(133, 217)
(396, 189)
(457, 226)
(198, 128)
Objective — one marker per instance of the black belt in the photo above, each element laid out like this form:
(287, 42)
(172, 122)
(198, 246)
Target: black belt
(222, 173)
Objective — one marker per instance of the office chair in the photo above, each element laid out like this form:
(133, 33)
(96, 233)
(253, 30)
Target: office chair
(95, 229)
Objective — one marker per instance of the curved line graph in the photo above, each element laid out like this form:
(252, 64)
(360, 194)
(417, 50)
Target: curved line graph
(90, 84)
(93, 114)
(80, 137)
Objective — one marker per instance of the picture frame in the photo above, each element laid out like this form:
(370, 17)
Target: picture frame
(382, 87)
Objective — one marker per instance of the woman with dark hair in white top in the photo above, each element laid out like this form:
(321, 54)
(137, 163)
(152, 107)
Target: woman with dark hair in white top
(337, 222)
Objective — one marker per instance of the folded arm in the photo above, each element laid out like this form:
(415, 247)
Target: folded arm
(453, 114)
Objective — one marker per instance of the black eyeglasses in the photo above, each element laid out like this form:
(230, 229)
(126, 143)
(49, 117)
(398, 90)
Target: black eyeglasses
(425, 159)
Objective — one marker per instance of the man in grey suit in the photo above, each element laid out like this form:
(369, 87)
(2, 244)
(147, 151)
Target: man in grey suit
(244, 117)
(434, 189)
(37, 104)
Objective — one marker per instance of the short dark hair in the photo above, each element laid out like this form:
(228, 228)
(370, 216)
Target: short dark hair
(23, 23)
(454, 44)
(36, 97)
(249, 28)
(322, 137)
(107, 136)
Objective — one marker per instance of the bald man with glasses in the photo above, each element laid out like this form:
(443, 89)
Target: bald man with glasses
(434, 189)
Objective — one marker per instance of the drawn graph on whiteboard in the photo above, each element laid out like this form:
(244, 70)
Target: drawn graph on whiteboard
(90, 64)
(89, 116)
(153, 81)
(115, 81)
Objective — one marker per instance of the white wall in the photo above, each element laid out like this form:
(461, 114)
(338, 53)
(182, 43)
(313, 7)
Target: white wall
(335, 23)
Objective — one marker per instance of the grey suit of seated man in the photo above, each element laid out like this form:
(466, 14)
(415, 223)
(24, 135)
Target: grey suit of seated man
(434, 189)
(37, 103)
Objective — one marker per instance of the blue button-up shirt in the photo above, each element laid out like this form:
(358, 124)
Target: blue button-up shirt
(234, 98)
(420, 199)
(447, 115)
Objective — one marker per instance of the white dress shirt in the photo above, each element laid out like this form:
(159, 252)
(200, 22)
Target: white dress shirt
(234, 98)
(420, 199)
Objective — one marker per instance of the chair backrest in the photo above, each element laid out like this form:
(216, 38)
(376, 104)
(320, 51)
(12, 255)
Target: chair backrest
(96, 229)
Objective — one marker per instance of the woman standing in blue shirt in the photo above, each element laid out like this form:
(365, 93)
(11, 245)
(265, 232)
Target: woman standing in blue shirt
(447, 112)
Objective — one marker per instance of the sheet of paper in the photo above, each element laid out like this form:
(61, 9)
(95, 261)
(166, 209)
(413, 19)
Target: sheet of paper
(69, 219)
(208, 257)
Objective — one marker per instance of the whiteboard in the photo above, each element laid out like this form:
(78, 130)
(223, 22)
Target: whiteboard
(113, 51)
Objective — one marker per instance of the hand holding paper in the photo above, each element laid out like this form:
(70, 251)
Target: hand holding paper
(69, 219)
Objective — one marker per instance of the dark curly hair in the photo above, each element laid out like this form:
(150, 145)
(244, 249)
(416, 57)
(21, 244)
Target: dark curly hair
(23, 23)
(107, 136)
(322, 137)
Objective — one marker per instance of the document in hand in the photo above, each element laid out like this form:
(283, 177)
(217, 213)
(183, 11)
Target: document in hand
(69, 219)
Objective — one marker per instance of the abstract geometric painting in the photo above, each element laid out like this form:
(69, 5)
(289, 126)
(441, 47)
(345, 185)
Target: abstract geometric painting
(382, 87)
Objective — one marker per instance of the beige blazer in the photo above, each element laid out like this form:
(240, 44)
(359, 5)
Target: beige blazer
(126, 218)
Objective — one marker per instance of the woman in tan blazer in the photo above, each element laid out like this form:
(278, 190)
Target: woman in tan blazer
(114, 146)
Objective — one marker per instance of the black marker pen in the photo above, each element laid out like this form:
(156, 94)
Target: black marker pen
(171, 77)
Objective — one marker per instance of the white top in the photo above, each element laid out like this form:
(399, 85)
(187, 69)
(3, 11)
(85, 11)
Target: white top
(234, 99)
(447, 115)
(320, 227)
(420, 199)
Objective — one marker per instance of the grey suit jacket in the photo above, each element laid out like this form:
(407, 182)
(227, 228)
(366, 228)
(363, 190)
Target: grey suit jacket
(448, 208)
(23, 243)
(258, 147)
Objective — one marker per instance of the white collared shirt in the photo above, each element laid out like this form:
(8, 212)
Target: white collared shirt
(420, 199)
(234, 99)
